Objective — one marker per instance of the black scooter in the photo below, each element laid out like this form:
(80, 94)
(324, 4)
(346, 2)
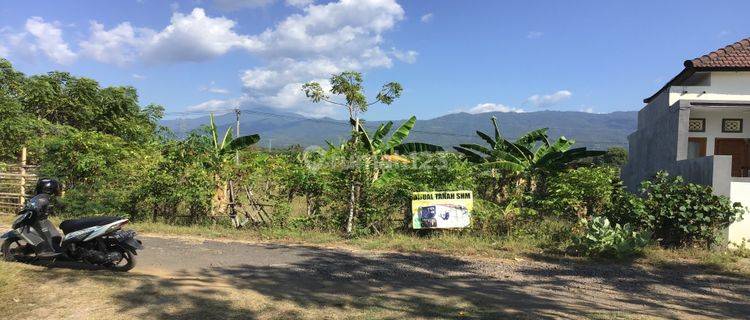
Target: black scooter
(95, 240)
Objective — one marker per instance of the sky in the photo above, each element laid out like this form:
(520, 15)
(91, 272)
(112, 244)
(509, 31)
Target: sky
(450, 56)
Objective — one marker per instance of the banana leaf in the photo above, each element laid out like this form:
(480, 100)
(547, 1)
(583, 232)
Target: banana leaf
(414, 147)
(401, 133)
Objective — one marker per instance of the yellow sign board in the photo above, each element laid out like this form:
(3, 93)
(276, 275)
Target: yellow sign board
(441, 209)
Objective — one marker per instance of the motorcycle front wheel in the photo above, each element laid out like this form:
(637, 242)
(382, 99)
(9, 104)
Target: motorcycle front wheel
(125, 264)
(15, 249)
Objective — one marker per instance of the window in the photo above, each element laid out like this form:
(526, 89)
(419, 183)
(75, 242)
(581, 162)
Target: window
(731, 125)
(697, 125)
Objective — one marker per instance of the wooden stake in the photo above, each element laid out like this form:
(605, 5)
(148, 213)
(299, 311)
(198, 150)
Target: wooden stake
(22, 198)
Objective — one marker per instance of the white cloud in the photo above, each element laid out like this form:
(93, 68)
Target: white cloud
(119, 45)
(534, 35)
(49, 41)
(408, 56)
(426, 17)
(320, 40)
(213, 105)
(138, 76)
(493, 107)
(213, 89)
(195, 37)
(234, 5)
(549, 99)
(192, 37)
(299, 3)
(587, 110)
(326, 39)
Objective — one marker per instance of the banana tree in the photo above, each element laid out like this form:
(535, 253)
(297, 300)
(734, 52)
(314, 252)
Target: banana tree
(380, 148)
(221, 152)
(532, 156)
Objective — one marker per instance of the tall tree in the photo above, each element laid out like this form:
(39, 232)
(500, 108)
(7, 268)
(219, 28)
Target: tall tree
(348, 87)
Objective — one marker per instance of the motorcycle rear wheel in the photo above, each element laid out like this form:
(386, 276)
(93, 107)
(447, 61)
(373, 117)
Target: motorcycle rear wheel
(129, 263)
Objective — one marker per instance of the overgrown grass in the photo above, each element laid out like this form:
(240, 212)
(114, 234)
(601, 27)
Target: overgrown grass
(549, 238)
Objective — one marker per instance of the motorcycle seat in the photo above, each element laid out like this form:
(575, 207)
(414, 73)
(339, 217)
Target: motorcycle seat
(72, 225)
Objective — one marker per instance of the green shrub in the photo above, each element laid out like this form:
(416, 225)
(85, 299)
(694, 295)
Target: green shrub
(682, 214)
(578, 193)
(624, 207)
(604, 239)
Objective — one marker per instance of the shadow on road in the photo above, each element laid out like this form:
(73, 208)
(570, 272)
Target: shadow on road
(433, 286)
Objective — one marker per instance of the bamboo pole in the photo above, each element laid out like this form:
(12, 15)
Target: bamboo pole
(22, 198)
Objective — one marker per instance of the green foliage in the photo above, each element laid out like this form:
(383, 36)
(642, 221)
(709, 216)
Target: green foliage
(603, 239)
(349, 85)
(36, 106)
(100, 172)
(625, 207)
(685, 213)
(377, 145)
(615, 157)
(579, 193)
(532, 153)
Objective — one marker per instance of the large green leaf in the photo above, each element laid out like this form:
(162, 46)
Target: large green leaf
(470, 155)
(414, 147)
(503, 165)
(383, 130)
(476, 147)
(487, 138)
(534, 136)
(227, 137)
(214, 132)
(518, 150)
(497, 129)
(562, 144)
(401, 133)
(242, 142)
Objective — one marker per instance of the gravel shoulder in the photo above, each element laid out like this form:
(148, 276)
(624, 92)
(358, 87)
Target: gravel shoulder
(425, 285)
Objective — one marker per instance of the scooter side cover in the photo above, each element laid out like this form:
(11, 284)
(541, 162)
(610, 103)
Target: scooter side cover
(105, 229)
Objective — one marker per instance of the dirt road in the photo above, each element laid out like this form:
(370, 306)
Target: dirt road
(432, 285)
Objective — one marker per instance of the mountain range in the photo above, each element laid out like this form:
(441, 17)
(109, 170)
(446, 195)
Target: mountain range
(279, 129)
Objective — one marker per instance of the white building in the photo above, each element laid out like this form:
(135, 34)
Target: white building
(698, 126)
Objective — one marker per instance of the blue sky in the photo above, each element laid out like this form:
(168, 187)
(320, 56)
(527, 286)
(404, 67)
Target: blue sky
(595, 56)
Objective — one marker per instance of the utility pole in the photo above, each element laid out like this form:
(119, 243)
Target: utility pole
(237, 122)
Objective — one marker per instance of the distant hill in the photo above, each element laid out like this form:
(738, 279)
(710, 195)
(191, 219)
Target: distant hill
(277, 129)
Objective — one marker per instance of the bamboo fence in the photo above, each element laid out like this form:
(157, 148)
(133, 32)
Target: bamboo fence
(16, 184)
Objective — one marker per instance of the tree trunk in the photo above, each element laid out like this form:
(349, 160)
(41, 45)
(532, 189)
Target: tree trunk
(350, 219)
(218, 201)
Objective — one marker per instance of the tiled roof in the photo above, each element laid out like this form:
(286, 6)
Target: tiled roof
(736, 55)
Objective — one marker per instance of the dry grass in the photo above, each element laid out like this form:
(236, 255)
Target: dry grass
(85, 294)
(459, 244)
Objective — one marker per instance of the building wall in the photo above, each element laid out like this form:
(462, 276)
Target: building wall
(725, 86)
(740, 230)
(713, 118)
(661, 137)
(654, 146)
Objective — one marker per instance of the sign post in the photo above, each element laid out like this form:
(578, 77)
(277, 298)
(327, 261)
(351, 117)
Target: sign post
(441, 209)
